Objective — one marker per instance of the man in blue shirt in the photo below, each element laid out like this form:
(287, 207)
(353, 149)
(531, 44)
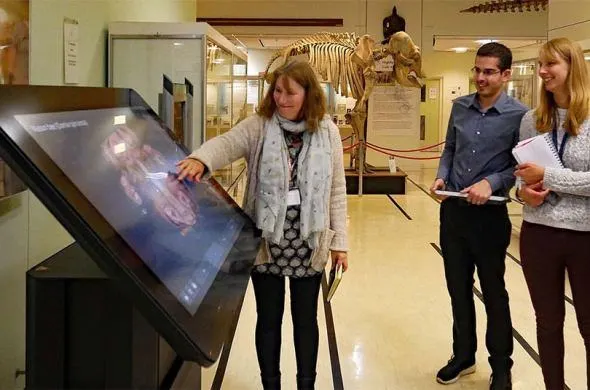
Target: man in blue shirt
(477, 160)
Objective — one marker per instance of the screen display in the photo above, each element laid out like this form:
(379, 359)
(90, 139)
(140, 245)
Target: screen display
(125, 165)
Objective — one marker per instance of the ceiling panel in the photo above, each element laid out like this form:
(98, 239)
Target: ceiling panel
(463, 44)
(262, 41)
(441, 43)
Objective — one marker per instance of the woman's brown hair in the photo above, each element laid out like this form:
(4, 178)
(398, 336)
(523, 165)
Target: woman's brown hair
(578, 87)
(314, 105)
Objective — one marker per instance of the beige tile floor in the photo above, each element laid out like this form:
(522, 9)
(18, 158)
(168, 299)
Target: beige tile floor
(392, 312)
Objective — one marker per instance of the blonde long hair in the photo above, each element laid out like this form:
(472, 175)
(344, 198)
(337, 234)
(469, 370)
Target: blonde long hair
(578, 87)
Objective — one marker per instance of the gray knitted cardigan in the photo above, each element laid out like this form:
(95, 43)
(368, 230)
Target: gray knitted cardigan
(570, 208)
(245, 140)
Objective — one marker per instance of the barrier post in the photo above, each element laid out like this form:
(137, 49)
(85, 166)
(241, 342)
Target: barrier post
(361, 159)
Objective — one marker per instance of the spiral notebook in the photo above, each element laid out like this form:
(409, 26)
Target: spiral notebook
(537, 150)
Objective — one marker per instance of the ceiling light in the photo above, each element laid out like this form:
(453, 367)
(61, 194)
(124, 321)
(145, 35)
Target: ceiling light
(587, 58)
(484, 41)
(460, 49)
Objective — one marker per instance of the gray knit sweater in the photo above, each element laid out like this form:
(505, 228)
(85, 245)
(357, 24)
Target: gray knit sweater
(246, 140)
(569, 208)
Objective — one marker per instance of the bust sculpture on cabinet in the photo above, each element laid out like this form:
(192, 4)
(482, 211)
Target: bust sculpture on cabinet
(392, 24)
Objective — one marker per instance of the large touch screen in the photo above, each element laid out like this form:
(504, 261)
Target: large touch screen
(123, 162)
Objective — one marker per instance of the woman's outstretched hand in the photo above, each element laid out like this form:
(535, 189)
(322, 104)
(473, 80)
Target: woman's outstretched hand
(191, 169)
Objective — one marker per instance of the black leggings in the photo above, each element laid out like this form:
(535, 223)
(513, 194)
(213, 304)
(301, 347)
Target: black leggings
(270, 302)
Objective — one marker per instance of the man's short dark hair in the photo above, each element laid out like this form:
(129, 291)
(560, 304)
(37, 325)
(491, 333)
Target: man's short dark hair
(499, 51)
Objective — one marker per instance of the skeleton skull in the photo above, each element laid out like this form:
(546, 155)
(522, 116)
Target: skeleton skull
(408, 60)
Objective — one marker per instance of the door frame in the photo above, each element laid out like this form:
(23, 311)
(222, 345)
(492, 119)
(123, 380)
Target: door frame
(440, 79)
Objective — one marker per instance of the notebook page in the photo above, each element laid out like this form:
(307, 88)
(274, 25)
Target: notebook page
(539, 150)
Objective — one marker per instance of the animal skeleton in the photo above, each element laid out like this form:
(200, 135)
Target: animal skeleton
(347, 61)
(509, 6)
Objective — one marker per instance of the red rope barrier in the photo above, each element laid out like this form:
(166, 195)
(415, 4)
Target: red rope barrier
(346, 149)
(347, 138)
(405, 151)
(400, 156)
(387, 151)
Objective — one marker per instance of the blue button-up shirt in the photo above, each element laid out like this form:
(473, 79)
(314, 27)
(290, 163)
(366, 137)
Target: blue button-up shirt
(479, 144)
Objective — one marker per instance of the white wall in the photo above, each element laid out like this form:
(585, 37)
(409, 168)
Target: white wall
(570, 19)
(410, 10)
(14, 220)
(525, 54)
(46, 68)
(424, 18)
(566, 12)
(454, 70)
(28, 232)
(93, 16)
(442, 17)
(257, 60)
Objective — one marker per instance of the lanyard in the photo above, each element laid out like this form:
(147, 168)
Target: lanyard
(292, 160)
(561, 148)
(293, 165)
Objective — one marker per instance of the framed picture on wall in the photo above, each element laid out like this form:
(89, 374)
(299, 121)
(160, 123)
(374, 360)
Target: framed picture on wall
(14, 69)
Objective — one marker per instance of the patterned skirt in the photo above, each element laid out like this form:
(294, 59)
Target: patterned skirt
(292, 256)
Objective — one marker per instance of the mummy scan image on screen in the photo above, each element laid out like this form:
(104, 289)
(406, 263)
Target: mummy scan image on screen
(123, 162)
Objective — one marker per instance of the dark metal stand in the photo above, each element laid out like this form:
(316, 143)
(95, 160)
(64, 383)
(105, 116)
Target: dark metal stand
(83, 334)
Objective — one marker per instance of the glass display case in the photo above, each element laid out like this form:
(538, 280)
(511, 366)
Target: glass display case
(226, 104)
(239, 91)
(338, 105)
(248, 93)
(523, 84)
(218, 111)
(142, 53)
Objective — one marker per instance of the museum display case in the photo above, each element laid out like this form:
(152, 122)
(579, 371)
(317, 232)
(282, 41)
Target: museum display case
(524, 82)
(193, 52)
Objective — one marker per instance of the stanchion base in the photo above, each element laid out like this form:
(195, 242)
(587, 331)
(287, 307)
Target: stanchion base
(380, 181)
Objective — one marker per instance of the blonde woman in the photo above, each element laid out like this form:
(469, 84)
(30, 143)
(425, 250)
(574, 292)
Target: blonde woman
(555, 235)
(296, 194)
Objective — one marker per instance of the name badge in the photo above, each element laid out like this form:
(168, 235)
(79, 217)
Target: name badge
(293, 197)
